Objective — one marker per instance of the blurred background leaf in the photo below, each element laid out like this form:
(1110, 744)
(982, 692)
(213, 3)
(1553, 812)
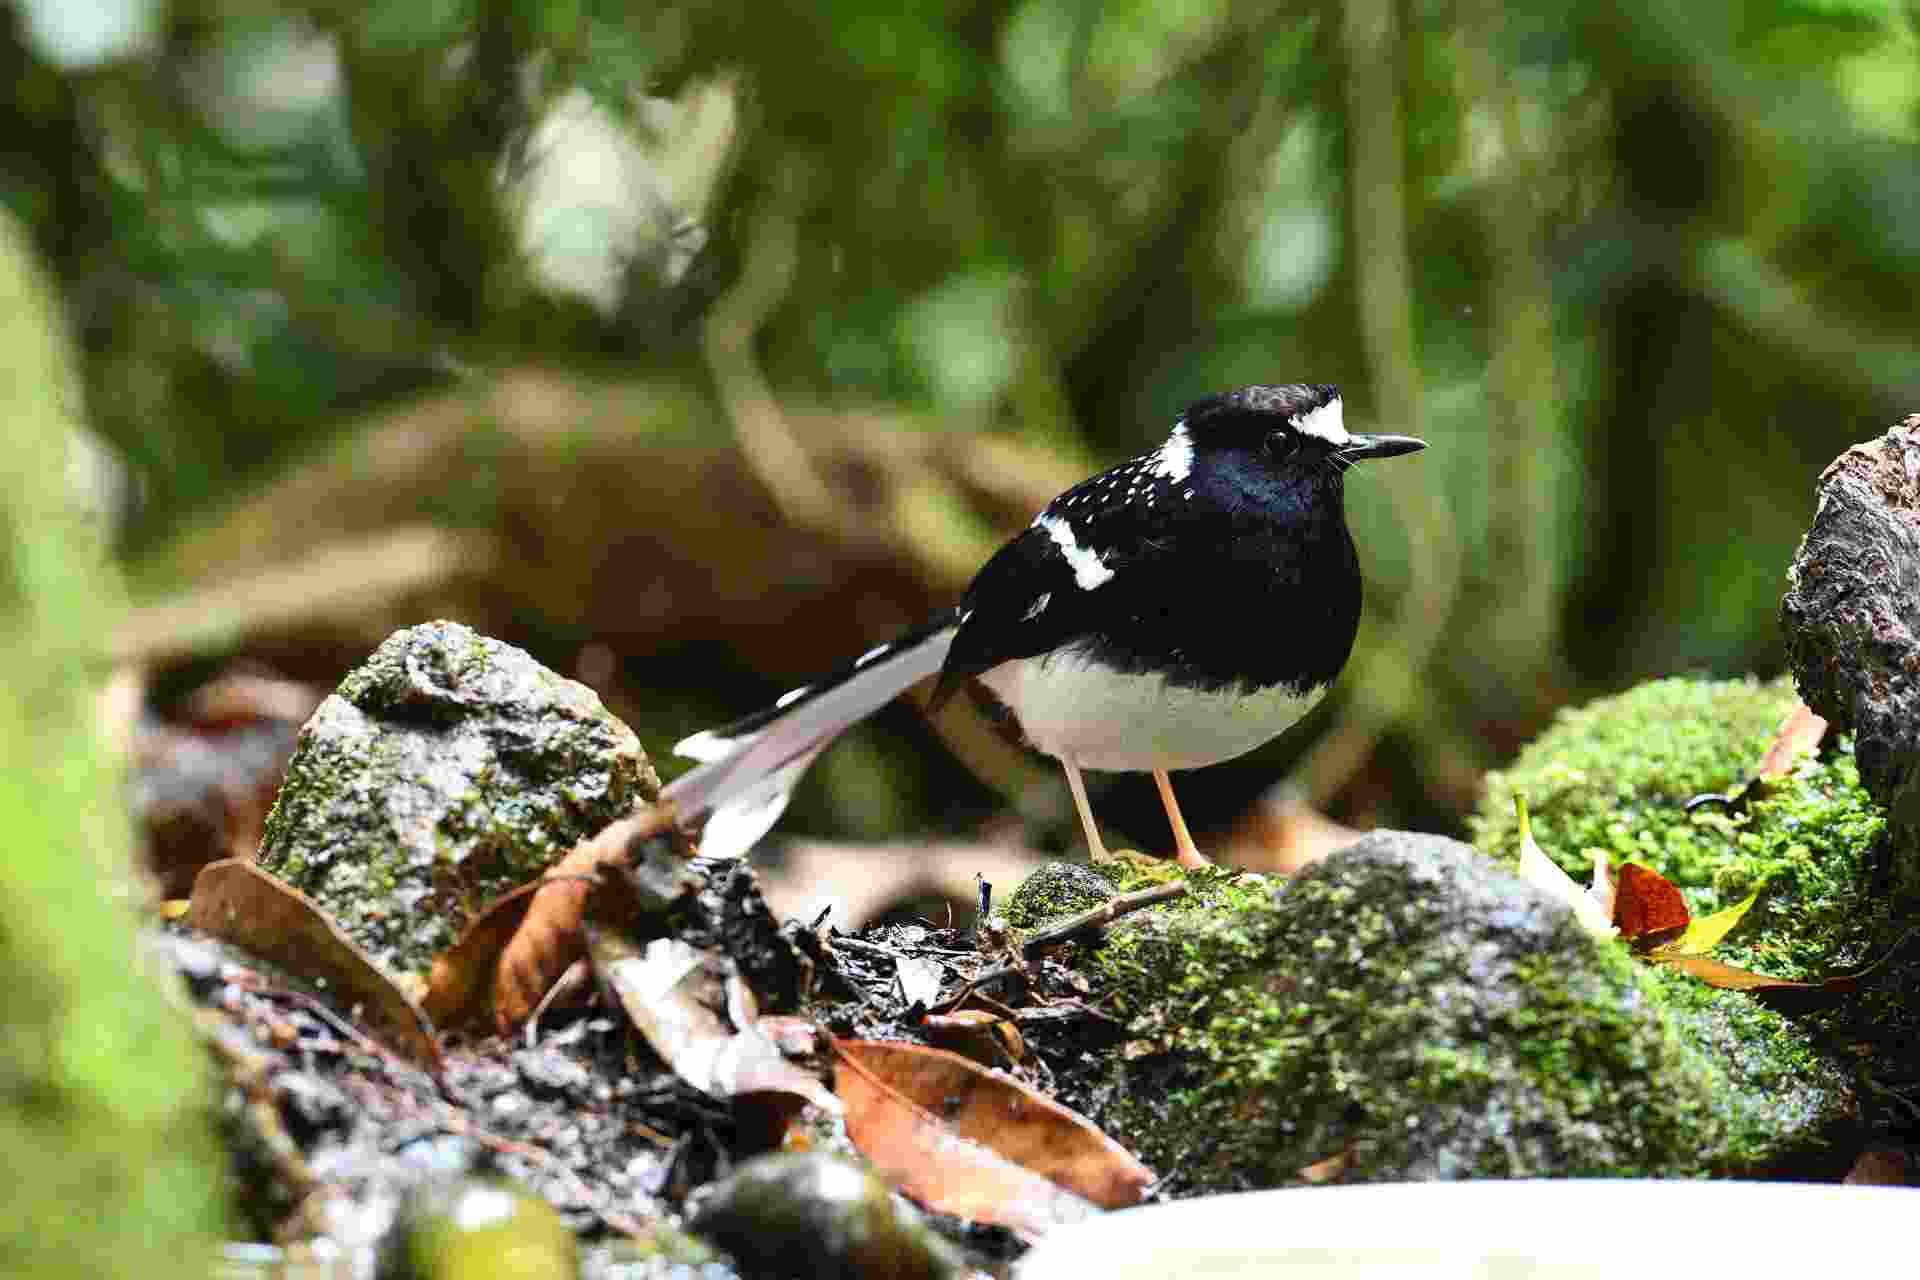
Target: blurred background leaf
(731, 336)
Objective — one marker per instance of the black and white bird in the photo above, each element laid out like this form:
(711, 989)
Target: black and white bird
(1175, 611)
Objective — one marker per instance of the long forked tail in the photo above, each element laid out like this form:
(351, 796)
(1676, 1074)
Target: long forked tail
(748, 769)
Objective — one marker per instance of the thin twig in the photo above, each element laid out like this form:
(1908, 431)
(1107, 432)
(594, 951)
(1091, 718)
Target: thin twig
(1060, 930)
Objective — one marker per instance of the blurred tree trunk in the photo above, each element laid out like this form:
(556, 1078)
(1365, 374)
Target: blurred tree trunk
(103, 1113)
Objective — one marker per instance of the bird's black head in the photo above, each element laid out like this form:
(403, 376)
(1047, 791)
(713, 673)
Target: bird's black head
(1301, 422)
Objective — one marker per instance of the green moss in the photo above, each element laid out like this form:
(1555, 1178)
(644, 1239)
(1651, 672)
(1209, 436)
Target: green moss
(106, 1117)
(1054, 890)
(1614, 775)
(1413, 1012)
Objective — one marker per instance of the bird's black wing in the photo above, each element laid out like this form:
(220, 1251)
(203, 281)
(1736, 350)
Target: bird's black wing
(1079, 570)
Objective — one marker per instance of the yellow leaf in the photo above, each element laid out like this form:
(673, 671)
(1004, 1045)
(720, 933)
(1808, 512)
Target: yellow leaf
(1704, 932)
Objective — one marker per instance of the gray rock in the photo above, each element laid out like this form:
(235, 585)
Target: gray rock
(1405, 1009)
(446, 770)
(1852, 610)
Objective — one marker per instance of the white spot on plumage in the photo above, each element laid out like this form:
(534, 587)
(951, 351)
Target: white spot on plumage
(1328, 422)
(1175, 459)
(1088, 569)
(871, 654)
(792, 696)
(1038, 607)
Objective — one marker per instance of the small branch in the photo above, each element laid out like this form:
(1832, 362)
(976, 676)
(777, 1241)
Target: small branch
(1060, 930)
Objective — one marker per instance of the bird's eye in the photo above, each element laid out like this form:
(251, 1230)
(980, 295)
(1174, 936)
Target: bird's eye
(1281, 445)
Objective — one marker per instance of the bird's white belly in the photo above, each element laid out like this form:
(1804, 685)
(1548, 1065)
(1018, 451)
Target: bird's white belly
(1098, 718)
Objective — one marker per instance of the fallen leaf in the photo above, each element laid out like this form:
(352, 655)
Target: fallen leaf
(918, 979)
(984, 1036)
(1647, 907)
(1322, 1171)
(916, 1151)
(238, 902)
(461, 985)
(1705, 933)
(671, 992)
(1543, 873)
(511, 954)
(998, 1112)
(1798, 735)
(1718, 973)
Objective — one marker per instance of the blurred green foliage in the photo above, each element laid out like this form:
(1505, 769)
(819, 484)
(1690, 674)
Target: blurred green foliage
(1638, 269)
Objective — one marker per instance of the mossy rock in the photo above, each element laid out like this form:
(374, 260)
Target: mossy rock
(1057, 889)
(446, 770)
(1405, 1009)
(1616, 773)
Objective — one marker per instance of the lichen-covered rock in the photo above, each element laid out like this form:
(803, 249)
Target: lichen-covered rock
(1405, 1009)
(1852, 611)
(446, 770)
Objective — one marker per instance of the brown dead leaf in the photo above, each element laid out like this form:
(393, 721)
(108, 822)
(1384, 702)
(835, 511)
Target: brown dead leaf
(461, 986)
(673, 993)
(1329, 1169)
(236, 901)
(916, 1151)
(1718, 973)
(986, 1037)
(998, 1112)
(1798, 735)
(1782, 995)
(513, 952)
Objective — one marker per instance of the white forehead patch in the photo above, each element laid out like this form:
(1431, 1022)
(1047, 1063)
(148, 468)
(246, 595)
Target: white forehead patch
(1175, 458)
(1328, 422)
(1088, 570)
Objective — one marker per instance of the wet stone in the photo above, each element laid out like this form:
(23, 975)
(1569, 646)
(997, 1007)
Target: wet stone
(445, 771)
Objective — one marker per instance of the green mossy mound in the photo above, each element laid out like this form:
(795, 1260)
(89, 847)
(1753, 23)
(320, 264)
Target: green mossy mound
(1404, 1010)
(1616, 773)
(1057, 889)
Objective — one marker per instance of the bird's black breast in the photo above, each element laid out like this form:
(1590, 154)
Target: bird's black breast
(1223, 578)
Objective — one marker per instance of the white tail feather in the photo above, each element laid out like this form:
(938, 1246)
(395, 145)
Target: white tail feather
(743, 781)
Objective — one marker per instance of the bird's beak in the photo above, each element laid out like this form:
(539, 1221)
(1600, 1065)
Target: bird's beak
(1359, 447)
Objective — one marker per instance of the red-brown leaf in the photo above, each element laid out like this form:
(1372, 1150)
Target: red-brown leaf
(925, 1158)
(997, 1111)
(237, 901)
(513, 952)
(1647, 908)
